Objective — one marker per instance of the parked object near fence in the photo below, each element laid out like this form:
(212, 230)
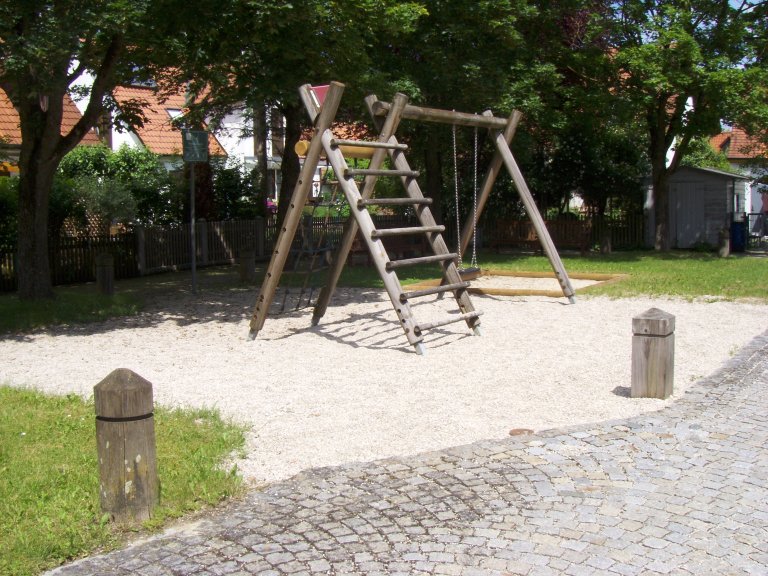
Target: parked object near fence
(125, 438)
(724, 243)
(653, 354)
(105, 274)
(247, 266)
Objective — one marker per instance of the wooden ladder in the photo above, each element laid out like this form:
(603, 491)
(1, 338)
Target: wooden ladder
(359, 200)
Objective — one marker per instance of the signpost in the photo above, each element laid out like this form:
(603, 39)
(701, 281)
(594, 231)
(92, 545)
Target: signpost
(195, 144)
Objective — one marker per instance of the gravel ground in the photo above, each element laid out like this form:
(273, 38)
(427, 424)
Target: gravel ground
(352, 389)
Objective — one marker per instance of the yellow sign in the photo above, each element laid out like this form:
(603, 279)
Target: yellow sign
(7, 168)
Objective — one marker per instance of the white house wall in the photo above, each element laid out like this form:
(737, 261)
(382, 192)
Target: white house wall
(232, 138)
(125, 138)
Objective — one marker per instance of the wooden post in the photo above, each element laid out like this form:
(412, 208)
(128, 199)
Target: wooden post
(724, 243)
(653, 354)
(202, 240)
(105, 273)
(247, 266)
(261, 236)
(125, 440)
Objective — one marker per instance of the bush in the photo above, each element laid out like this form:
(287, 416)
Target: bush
(130, 185)
(236, 191)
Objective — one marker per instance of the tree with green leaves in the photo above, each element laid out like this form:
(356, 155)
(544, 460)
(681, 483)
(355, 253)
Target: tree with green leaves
(46, 47)
(266, 50)
(701, 154)
(683, 67)
(467, 56)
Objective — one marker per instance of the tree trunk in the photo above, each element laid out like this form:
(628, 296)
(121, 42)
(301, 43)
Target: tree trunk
(290, 167)
(658, 144)
(39, 158)
(662, 241)
(266, 184)
(43, 146)
(34, 271)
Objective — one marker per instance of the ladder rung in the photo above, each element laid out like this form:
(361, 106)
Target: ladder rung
(393, 202)
(385, 232)
(438, 323)
(420, 260)
(364, 144)
(405, 296)
(350, 173)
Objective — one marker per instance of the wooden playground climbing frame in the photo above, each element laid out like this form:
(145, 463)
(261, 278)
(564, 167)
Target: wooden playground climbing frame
(321, 105)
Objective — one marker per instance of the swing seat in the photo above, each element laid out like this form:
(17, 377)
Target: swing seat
(472, 273)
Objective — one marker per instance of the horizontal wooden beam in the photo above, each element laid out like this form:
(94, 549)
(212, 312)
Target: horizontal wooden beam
(411, 112)
(302, 146)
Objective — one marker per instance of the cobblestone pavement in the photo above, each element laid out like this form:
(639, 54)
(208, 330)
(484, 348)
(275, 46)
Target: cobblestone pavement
(682, 491)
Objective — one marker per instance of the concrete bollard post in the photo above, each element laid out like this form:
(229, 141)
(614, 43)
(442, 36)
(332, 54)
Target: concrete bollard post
(105, 273)
(125, 439)
(653, 354)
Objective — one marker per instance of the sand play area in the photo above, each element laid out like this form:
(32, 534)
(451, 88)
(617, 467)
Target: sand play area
(352, 389)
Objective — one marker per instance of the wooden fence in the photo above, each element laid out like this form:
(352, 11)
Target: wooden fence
(581, 234)
(152, 250)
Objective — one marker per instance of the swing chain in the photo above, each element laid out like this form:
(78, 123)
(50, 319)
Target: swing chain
(474, 209)
(456, 199)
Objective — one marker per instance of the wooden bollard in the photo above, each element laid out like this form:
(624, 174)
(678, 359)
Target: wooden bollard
(653, 354)
(247, 266)
(125, 439)
(105, 274)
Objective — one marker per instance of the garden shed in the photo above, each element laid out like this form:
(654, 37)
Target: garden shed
(702, 202)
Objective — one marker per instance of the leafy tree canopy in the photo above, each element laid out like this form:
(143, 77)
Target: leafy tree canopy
(45, 47)
(684, 67)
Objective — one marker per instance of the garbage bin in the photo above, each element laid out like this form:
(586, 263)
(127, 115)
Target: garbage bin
(738, 237)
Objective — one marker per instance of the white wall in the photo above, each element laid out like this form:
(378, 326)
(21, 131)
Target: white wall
(231, 137)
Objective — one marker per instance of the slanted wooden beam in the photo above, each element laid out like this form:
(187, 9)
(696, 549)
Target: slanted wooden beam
(323, 117)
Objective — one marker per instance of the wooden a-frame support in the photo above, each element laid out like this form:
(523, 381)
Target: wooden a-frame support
(502, 132)
(387, 118)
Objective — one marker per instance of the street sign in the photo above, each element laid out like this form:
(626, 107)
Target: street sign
(195, 145)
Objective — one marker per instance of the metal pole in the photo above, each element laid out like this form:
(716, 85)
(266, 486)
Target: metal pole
(193, 243)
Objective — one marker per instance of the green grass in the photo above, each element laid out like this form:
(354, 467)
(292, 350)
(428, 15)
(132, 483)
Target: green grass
(73, 305)
(49, 503)
(680, 274)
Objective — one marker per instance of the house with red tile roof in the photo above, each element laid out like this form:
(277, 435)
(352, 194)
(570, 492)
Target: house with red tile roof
(158, 132)
(751, 158)
(232, 137)
(10, 132)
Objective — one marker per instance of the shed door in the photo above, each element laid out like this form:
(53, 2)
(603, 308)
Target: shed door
(688, 213)
(699, 212)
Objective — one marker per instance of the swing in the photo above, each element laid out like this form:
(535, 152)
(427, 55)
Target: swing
(322, 112)
(473, 271)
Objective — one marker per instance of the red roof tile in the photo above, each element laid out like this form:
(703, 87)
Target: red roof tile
(737, 145)
(158, 134)
(10, 132)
